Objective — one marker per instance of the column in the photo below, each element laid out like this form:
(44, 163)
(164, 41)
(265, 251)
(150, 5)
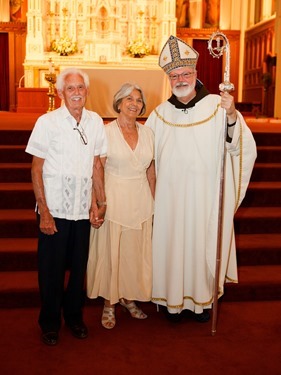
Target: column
(277, 97)
(5, 11)
(34, 37)
(167, 25)
(195, 14)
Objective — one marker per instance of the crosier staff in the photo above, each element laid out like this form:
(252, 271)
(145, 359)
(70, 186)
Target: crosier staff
(222, 45)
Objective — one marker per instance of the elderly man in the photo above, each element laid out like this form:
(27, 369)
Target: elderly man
(189, 130)
(68, 183)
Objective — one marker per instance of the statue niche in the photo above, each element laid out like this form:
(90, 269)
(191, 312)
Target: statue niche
(102, 22)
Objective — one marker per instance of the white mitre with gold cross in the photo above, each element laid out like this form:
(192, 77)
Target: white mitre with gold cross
(176, 54)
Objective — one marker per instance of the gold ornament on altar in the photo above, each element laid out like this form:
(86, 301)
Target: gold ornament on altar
(138, 48)
(51, 78)
(64, 46)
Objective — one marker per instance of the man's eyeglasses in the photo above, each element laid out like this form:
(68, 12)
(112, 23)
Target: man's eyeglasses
(185, 75)
(83, 136)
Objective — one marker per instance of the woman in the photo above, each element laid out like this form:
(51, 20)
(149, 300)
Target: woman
(119, 265)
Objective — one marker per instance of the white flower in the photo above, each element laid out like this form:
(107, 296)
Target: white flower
(64, 46)
(138, 47)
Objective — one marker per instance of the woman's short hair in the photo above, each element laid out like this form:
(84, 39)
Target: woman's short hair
(125, 90)
(62, 76)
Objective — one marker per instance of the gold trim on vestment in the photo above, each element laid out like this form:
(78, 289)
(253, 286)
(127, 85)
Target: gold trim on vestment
(182, 305)
(188, 125)
(230, 280)
(240, 168)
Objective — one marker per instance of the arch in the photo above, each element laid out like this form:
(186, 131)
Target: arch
(102, 20)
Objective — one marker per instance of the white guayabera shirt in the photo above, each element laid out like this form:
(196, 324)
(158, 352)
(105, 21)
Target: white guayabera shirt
(68, 165)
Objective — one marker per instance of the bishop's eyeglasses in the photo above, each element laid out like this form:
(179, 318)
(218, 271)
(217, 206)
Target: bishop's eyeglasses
(185, 75)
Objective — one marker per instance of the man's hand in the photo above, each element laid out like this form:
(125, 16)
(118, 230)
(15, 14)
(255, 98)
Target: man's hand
(227, 102)
(47, 223)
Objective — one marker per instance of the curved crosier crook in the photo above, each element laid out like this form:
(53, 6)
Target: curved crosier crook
(218, 52)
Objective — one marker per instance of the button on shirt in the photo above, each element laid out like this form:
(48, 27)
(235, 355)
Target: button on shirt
(68, 165)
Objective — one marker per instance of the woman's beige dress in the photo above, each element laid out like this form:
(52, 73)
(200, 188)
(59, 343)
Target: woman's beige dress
(120, 259)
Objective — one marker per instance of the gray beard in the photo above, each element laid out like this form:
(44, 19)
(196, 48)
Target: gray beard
(183, 91)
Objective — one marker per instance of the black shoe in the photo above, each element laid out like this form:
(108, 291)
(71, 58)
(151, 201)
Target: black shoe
(204, 317)
(80, 331)
(50, 338)
(175, 318)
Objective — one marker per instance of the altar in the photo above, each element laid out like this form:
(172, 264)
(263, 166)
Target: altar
(105, 82)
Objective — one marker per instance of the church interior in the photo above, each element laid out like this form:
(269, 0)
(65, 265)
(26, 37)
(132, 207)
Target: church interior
(117, 41)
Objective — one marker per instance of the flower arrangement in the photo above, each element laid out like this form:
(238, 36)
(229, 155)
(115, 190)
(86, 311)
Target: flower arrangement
(138, 48)
(64, 46)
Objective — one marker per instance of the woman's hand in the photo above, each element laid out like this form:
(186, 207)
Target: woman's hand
(97, 216)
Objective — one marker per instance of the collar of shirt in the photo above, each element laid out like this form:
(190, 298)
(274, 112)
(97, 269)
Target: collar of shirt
(201, 92)
(67, 115)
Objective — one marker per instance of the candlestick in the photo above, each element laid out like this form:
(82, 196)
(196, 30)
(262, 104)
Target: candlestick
(51, 78)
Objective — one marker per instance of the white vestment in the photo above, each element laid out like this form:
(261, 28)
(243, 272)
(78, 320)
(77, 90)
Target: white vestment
(188, 157)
